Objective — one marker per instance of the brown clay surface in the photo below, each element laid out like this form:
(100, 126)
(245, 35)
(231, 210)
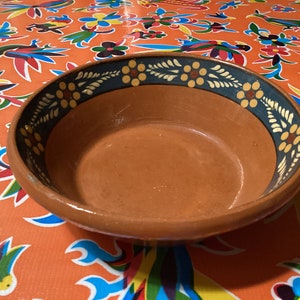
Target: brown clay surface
(161, 152)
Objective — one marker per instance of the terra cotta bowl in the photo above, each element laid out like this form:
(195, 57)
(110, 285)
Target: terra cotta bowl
(158, 147)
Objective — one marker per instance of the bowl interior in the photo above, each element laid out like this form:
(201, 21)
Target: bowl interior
(161, 138)
(153, 151)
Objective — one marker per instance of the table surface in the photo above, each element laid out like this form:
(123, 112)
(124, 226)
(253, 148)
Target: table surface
(43, 257)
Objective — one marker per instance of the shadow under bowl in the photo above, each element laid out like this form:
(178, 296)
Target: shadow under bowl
(158, 147)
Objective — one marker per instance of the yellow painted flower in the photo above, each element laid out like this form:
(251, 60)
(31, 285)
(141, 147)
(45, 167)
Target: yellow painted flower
(67, 94)
(103, 20)
(250, 94)
(193, 74)
(134, 73)
(32, 139)
(290, 138)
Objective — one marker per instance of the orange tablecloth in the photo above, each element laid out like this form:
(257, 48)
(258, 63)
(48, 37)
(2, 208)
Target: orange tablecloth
(43, 257)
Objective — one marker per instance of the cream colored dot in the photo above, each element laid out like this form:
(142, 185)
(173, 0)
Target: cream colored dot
(284, 136)
(126, 79)
(37, 137)
(200, 81)
(196, 65)
(259, 94)
(296, 140)
(187, 68)
(73, 103)
(142, 76)
(125, 70)
(28, 128)
(184, 77)
(71, 86)
(287, 148)
(240, 95)
(64, 103)
(246, 86)
(76, 96)
(135, 82)
(202, 71)
(255, 85)
(132, 63)
(28, 142)
(59, 94)
(282, 146)
(244, 103)
(253, 103)
(23, 131)
(293, 128)
(141, 67)
(36, 150)
(191, 83)
(41, 147)
(62, 85)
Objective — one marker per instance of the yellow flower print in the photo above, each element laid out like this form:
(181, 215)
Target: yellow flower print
(193, 74)
(133, 73)
(67, 94)
(32, 139)
(103, 20)
(290, 138)
(250, 94)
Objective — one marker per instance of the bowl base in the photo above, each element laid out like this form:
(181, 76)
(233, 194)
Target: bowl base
(159, 170)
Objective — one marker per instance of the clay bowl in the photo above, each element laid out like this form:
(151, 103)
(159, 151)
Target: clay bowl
(158, 147)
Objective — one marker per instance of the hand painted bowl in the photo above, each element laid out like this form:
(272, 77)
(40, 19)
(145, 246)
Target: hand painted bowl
(158, 147)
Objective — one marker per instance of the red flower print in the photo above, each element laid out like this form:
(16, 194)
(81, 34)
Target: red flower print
(276, 50)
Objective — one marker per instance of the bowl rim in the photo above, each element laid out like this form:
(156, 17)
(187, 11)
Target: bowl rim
(124, 226)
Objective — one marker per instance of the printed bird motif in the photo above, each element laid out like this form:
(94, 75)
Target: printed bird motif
(54, 24)
(8, 258)
(25, 56)
(213, 48)
(286, 23)
(33, 11)
(217, 49)
(220, 16)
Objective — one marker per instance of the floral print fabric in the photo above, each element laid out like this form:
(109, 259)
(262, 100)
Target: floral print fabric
(44, 257)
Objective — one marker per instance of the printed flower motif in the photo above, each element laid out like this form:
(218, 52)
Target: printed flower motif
(290, 138)
(32, 139)
(67, 94)
(157, 19)
(273, 39)
(134, 73)
(102, 20)
(275, 50)
(193, 74)
(250, 94)
(285, 291)
(108, 49)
